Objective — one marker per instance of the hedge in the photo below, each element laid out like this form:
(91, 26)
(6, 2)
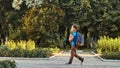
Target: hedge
(25, 48)
(111, 55)
(38, 52)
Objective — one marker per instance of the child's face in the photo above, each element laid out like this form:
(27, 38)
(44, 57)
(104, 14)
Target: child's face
(72, 29)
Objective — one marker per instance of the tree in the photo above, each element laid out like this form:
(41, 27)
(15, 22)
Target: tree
(99, 17)
(42, 23)
(5, 15)
(105, 17)
(29, 3)
(10, 20)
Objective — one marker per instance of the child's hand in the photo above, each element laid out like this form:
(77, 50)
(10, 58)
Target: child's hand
(70, 38)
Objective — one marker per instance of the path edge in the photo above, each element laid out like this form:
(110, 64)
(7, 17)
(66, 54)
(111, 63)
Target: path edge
(102, 59)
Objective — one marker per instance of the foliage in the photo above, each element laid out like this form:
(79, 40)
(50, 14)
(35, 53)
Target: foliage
(7, 64)
(30, 3)
(106, 44)
(4, 51)
(98, 17)
(111, 55)
(94, 16)
(54, 50)
(108, 47)
(42, 23)
(14, 33)
(16, 4)
(40, 20)
(38, 52)
(10, 25)
(22, 44)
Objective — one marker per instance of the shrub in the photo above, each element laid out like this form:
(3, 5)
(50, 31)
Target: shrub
(30, 45)
(7, 64)
(28, 54)
(106, 44)
(45, 52)
(111, 55)
(109, 47)
(4, 51)
(55, 50)
(22, 44)
(10, 44)
(25, 49)
(38, 52)
(16, 53)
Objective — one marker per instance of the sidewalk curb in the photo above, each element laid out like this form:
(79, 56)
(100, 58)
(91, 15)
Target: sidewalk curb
(104, 60)
(20, 58)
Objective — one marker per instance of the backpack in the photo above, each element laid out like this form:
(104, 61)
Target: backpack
(80, 39)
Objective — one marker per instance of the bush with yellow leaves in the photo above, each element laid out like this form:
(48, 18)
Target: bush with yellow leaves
(107, 44)
(22, 44)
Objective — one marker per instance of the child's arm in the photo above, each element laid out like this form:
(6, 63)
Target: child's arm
(70, 38)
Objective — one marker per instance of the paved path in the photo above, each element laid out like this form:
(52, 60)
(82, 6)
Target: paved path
(91, 61)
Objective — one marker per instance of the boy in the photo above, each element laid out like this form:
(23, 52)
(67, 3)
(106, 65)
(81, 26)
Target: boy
(73, 39)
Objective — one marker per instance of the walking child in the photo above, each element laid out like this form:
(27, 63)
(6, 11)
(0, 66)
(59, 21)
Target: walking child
(73, 40)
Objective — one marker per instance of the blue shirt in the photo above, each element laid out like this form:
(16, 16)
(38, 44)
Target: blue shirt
(74, 34)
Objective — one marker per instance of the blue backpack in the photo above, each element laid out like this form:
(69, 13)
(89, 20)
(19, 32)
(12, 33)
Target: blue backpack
(80, 39)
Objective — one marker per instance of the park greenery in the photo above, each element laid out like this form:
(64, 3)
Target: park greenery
(27, 49)
(108, 44)
(109, 47)
(7, 64)
(47, 22)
